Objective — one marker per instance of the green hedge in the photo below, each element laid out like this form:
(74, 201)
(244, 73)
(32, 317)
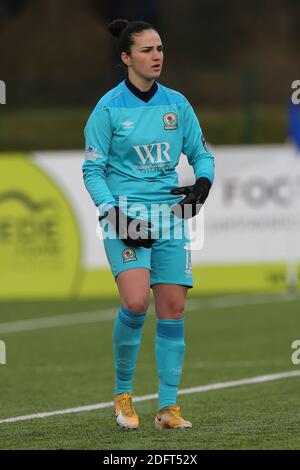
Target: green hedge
(62, 128)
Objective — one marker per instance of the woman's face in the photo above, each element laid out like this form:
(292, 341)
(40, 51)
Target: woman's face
(146, 56)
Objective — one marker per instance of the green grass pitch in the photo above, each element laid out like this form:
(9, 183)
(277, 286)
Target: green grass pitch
(228, 338)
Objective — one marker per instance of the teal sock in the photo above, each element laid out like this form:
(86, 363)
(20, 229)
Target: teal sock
(127, 339)
(169, 348)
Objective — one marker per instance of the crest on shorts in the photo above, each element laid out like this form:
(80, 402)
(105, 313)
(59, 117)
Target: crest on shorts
(129, 255)
(170, 121)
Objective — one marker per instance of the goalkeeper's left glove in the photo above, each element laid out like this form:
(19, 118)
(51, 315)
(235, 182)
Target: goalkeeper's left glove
(195, 197)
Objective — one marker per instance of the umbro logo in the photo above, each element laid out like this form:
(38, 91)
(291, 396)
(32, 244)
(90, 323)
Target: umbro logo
(127, 125)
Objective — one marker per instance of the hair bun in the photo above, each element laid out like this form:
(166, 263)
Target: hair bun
(117, 26)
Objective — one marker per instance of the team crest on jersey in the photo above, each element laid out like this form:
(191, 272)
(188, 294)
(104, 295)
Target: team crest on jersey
(128, 255)
(170, 121)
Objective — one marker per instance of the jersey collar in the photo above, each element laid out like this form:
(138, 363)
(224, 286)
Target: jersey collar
(142, 95)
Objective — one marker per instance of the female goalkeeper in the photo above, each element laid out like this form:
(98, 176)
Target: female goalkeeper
(134, 138)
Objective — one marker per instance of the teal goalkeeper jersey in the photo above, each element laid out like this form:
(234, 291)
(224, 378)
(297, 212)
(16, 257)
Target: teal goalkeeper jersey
(133, 147)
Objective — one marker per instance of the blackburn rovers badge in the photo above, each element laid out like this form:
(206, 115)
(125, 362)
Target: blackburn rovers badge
(170, 121)
(128, 255)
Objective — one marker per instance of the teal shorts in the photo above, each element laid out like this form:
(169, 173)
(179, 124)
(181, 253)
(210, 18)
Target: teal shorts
(168, 260)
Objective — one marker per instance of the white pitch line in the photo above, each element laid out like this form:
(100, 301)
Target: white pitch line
(57, 320)
(184, 391)
(109, 314)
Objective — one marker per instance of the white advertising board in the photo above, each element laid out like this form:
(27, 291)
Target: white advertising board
(252, 213)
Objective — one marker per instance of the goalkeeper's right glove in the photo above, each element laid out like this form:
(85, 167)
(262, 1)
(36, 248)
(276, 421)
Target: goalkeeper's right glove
(133, 232)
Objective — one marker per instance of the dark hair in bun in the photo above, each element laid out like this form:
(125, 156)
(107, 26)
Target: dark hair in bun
(125, 30)
(116, 27)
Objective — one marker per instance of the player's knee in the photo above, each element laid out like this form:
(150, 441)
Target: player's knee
(138, 305)
(177, 315)
(176, 310)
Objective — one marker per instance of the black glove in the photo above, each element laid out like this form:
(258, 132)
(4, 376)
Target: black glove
(195, 196)
(133, 232)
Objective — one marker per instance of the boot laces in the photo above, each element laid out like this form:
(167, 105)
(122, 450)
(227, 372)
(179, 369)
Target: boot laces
(126, 405)
(173, 410)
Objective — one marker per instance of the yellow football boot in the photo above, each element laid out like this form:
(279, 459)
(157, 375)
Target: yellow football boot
(170, 418)
(125, 413)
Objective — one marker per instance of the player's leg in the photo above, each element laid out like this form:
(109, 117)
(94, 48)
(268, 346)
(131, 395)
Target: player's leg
(169, 300)
(171, 276)
(130, 267)
(169, 348)
(134, 289)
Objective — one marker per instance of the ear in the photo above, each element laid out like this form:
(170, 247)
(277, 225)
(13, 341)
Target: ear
(125, 58)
